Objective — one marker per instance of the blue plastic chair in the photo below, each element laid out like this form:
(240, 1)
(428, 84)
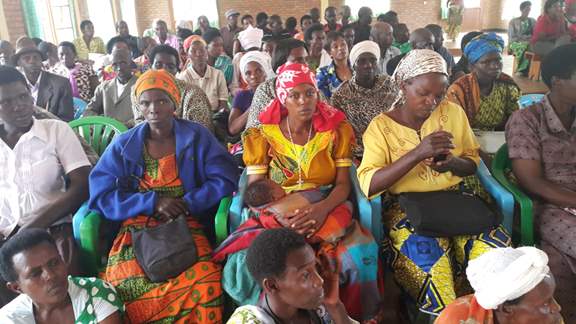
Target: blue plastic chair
(530, 99)
(79, 107)
(503, 198)
(369, 211)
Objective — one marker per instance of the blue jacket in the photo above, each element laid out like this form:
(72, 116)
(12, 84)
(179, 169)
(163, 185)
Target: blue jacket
(208, 173)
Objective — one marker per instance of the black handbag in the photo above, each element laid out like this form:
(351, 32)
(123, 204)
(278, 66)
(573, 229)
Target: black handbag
(448, 213)
(164, 251)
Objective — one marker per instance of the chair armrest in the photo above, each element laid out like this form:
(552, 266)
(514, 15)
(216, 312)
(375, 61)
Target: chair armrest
(221, 220)
(526, 208)
(368, 211)
(89, 238)
(77, 220)
(502, 197)
(235, 214)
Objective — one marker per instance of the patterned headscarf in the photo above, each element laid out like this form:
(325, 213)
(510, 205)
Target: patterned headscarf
(482, 45)
(191, 39)
(159, 80)
(417, 62)
(289, 76)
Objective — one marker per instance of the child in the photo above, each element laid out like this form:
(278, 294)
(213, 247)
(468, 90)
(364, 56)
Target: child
(266, 197)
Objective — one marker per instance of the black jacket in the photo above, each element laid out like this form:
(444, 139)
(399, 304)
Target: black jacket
(55, 95)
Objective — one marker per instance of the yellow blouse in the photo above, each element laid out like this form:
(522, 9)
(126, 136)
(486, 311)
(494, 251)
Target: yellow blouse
(385, 141)
(96, 46)
(268, 151)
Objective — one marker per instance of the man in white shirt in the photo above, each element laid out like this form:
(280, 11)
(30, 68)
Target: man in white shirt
(112, 97)
(382, 34)
(35, 158)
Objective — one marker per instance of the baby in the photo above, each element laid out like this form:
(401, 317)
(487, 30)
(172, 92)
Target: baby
(266, 196)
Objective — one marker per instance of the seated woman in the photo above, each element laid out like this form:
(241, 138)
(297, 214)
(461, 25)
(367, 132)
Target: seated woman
(83, 79)
(367, 94)
(304, 144)
(217, 58)
(519, 34)
(511, 286)
(462, 67)
(255, 68)
(165, 167)
(399, 152)
(44, 171)
(330, 77)
(33, 268)
(542, 146)
(551, 29)
(315, 38)
(487, 95)
(285, 266)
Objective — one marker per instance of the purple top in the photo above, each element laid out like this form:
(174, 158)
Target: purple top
(243, 100)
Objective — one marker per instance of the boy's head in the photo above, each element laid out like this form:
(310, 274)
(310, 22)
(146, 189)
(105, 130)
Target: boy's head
(263, 192)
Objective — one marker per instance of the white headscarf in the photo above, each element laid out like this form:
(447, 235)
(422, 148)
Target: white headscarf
(250, 37)
(505, 274)
(364, 47)
(259, 57)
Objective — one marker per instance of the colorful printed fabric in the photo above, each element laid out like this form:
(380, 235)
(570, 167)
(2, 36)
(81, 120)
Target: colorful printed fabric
(191, 39)
(79, 78)
(95, 289)
(404, 48)
(289, 76)
(327, 80)
(250, 314)
(224, 64)
(195, 296)
(96, 46)
(159, 80)
(485, 113)
(268, 151)
(482, 45)
(340, 238)
(518, 49)
(432, 270)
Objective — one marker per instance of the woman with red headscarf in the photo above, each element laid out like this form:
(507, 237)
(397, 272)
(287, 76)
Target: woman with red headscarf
(302, 144)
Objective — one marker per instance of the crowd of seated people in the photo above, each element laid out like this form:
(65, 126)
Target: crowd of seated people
(308, 113)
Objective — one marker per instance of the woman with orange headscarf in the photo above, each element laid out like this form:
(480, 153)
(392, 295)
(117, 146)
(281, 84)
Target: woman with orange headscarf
(165, 168)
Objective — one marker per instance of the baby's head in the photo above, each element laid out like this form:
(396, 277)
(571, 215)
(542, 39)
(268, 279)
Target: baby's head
(263, 192)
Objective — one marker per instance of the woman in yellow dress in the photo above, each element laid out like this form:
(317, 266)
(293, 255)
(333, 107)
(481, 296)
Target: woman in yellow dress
(423, 144)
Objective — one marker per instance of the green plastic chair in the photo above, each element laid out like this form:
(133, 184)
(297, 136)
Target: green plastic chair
(98, 131)
(501, 166)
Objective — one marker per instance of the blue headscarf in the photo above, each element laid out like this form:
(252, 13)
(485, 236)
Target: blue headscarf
(482, 45)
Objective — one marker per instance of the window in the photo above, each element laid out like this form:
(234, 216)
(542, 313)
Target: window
(62, 20)
(512, 9)
(129, 15)
(191, 10)
(102, 16)
(377, 6)
(52, 19)
(472, 3)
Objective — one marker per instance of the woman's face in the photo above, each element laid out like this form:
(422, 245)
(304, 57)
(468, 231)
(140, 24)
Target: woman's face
(489, 66)
(297, 55)
(306, 23)
(203, 22)
(248, 21)
(301, 102)
(339, 49)
(88, 30)
(366, 66)
(167, 62)
(16, 105)
(254, 75)
(157, 107)
(216, 47)
(42, 274)
(423, 93)
(66, 56)
(317, 41)
(537, 306)
(556, 10)
(301, 285)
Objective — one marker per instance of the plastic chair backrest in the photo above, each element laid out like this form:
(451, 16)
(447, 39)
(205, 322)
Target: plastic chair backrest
(79, 107)
(98, 131)
(529, 99)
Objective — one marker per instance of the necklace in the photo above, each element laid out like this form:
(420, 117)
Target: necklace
(301, 155)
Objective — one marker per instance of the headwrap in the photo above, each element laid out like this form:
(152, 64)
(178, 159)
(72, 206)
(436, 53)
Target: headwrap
(482, 45)
(159, 80)
(506, 274)
(290, 75)
(417, 62)
(259, 57)
(364, 47)
(191, 39)
(250, 37)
